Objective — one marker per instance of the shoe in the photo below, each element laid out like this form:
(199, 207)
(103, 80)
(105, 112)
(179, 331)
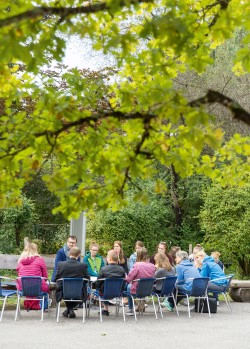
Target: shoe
(104, 312)
(112, 301)
(72, 314)
(130, 313)
(50, 302)
(167, 305)
(218, 303)
(65, 313)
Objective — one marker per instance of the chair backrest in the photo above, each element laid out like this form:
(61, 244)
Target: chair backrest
(145, 287)
(112, 288)
(229, 279)
(31, 286)
(168, 285)
(199, 287)
(73, 288)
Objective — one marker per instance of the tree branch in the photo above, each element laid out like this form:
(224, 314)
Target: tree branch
(238, 112)
(64, 12)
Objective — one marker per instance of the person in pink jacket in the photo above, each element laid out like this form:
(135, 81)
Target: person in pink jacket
(31, 263)
(142, 269)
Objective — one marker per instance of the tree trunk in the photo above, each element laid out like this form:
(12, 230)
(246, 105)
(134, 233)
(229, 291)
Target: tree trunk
(175, 198)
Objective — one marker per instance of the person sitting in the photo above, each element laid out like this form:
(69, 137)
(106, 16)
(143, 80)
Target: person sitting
(93, 260)
(216, 256)
(185, 273)
(71, 269)
(173, 251)
(162, 248)
(142, 269)
(197, 248)
(163, 269)
(31, 263)
(208, 268)
(111, 270)
(122, 260)
(132, 259)
(62, 254)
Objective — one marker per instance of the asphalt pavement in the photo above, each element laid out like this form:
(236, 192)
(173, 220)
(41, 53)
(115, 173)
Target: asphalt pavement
(222, 330)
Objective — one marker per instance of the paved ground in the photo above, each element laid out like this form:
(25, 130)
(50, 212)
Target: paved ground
(220, 331)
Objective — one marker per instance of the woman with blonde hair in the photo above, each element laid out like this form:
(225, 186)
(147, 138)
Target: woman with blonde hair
(31, 263)
(163, 269)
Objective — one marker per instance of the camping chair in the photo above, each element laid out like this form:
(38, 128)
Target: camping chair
(5, 294)
(199, 291)
(31, 288)
(144, 290)
(228, 279)
(73, 292)
(168, 286)
(112, 288)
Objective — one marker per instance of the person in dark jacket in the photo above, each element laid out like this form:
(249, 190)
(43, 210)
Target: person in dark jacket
(71, 269)
(62, 254)
(111, 270)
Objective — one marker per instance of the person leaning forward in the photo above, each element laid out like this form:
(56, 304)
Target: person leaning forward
(71, 269)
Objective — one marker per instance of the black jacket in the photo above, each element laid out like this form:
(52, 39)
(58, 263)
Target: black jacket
(70, 269)
(109, 271)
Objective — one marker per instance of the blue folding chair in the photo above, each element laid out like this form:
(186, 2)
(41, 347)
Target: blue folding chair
(144, 290)
(168, 286)
(228, 279)
(72, 291)
(31, 288)
(5, 294)
(112, 289)
(199, 291)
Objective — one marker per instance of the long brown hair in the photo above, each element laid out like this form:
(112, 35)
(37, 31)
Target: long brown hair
(121, 258)
(162, 261)
(142, 255)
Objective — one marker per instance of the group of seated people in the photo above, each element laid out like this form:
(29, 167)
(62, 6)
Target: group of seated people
(140, 265)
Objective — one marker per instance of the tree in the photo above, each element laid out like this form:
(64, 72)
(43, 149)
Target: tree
(225, 219)
(103, 140)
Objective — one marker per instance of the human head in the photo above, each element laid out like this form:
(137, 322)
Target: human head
(173, 251)
(162, 261)
(93, 247)
(118, 246)
(215, 255)
(138, 245)
(74, 252)
(30, 250)
(142, 255)
(162, 247)
(112, 256)
(197, 248)
(71, 241)
(199, 257)
(180, 256)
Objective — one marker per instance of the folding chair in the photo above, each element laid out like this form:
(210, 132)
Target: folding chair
(199, 291)
(228, 279)
(31, 288)
(5, 294)
(143, 291)
(168, 286)
(112, 288)
(72, 291)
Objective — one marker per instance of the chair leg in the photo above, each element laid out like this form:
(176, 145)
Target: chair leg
(4, 302)
(48, 305)
(159, 305)
(18, 309)
(227, 302)
(84, 310)
(175, 305)
(57, 311)
(189, 314)
(208, 306)
(100, 309)
(154, 307)
(123, 310)
(134, 307)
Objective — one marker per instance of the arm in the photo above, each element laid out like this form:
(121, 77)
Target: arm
(44, 268)
(132, 274)
(59, 258)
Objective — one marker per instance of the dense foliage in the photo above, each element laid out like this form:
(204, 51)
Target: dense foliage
(225, 217)
(103, 133)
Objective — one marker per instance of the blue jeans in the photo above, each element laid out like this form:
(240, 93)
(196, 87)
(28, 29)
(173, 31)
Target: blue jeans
(130, 302)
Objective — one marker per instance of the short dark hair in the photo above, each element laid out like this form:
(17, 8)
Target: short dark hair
(75, 252)
(73, 237)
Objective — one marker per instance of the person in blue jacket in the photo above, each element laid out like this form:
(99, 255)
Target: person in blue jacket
(209, 268)
(62, 254)
(185, 271)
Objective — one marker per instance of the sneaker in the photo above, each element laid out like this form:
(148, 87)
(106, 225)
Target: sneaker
(104, 312)
(167, 305)
(218, 303)
(50, 302)
(130, 312)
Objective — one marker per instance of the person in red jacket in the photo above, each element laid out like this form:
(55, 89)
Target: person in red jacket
(31, 263)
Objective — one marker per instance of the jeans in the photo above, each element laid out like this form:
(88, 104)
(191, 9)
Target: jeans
(130, 302)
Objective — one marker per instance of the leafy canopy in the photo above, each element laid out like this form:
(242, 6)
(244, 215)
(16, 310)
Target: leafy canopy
(104, 132)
